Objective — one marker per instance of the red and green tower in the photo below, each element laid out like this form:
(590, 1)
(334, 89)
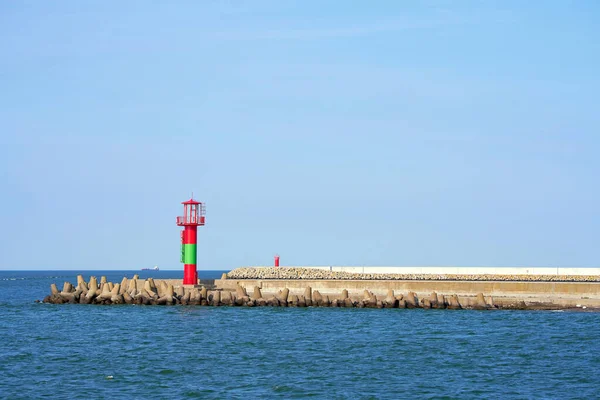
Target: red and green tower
(193, 217)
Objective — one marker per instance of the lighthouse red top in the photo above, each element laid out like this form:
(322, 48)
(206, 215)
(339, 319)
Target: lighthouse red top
(191, 201)
(193, 213)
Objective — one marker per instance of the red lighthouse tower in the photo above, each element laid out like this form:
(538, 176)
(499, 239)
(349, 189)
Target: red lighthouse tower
(193, 217)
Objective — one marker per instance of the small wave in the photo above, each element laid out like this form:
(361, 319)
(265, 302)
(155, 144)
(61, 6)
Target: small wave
(168, 372)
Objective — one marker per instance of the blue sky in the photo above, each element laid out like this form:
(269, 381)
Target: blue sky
(330, 132)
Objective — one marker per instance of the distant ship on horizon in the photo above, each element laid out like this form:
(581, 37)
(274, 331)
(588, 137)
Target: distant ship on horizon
(151, 269)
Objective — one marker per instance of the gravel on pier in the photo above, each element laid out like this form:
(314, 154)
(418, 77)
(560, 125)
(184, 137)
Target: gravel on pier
(311, 273)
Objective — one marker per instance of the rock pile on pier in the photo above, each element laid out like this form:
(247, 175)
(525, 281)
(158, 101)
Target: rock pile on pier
(129, 291)
(313, 298)
(150, 292)
(312, 273)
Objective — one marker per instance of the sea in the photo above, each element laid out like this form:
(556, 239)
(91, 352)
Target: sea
(192, 352)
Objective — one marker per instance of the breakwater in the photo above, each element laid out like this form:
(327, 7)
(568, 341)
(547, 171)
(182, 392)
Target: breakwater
(164, 292)
(534, 290)
(133, 291)
(369, 293)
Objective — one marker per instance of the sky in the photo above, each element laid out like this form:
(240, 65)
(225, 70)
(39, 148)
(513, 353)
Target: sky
(388, 133)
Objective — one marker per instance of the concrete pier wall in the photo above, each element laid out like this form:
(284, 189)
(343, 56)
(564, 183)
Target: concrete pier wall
(574, 290)
(561, 294)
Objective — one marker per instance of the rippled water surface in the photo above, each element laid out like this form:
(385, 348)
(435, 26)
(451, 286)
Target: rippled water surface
(89, 351)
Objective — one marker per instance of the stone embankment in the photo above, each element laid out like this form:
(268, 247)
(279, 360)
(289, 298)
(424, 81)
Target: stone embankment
(164, 292)
(160, 292)
(130, 291)
(313, 298)
(312, 274)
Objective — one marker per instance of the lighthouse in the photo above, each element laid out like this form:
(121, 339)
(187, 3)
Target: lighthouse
(192, 218)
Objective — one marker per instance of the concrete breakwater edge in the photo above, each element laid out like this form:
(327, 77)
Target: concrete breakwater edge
(244, 287)
(164, 292)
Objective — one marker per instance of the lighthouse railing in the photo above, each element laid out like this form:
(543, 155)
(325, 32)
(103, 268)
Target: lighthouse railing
(183, 220)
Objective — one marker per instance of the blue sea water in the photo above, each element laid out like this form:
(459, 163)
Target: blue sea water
(160, 352)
